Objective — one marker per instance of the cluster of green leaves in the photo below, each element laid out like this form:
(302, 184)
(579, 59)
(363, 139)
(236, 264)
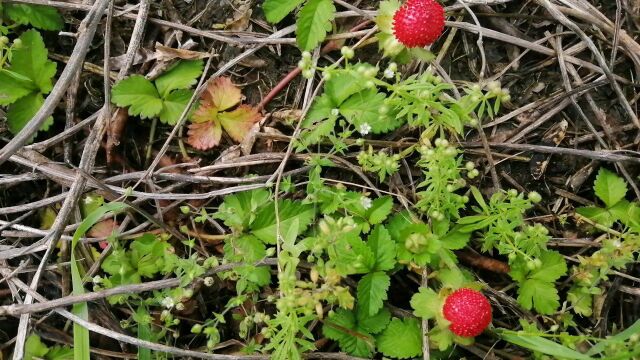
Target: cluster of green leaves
(38, 16)
(357, 100)
(619, 248)
(34, 349)
(314, 19)
(26, 80)
(502, 227)
(26, 73)
(165, 98)
(145, 257)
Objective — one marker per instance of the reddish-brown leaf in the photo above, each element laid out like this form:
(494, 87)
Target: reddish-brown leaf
(238, 122)
(204, 135)
(222, 94)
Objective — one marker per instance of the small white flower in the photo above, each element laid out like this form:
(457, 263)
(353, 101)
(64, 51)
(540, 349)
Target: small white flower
(365, 128)
(97, 279)
(366, 202)
(167, 302)
(389, 74)
(335, 112)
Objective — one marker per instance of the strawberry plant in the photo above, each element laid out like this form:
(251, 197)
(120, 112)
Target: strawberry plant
(314, 19)
(619, 248)
(25, 79)
(165, 98)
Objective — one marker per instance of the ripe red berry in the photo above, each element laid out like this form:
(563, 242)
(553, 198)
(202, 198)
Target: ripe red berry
(468, 311)
(418, 23)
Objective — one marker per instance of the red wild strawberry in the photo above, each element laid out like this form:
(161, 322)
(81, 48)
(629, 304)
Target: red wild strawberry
(418, 23)
(468, 311)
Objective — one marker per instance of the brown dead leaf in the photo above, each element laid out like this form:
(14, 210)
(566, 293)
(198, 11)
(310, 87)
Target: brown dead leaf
(165, 53)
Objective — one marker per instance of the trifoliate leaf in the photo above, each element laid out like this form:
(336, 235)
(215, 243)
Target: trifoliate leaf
(205, 135)
(314, 21)
(173, 105)
(183, 75)
(30, 60)
(264, 226)
(12, 88)
(38, 16)
(372, 291)
(139, 95)
(538, 290)
(23, 110)
(383, 248)
(239, 210)
(238, 122)
(276, 10)
(609, 187)
(373, 324)
(426, 303)
(339, 88)
(402, 339)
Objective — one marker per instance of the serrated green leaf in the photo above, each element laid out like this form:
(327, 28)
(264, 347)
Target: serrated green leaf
(34, 347)
(362, 108)
(339, 88)
(342, 328)
(581, 301)
(23, 110)
(264, 226)
(609, 187)
(379, 210)
(342, 318)
(183, 75)
(316, 133)
(402, 339)
(239, 210)
(38, 16)
(276, 10)
(12, 89)
(599, 215)
(173, 105)
(540, 295)
(553, 267)
(30, 61)
(372, 291)
(426, 303)
(351, 255)
(139, 95)
(383, 248)
(314, 21)
(538, 290)
(320, 110)
(373, 324)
